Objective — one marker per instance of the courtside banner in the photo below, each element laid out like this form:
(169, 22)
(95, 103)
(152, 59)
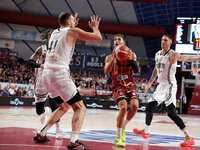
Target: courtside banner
(96, 62)
(78, 61)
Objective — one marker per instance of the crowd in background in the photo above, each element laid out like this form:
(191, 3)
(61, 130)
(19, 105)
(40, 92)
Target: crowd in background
(14, 70)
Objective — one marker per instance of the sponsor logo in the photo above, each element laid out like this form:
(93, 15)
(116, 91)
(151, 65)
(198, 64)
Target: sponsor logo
(143, 108)
(33, 103)
(114, 107)
(94, 105)
(16, 102)
(195, 107)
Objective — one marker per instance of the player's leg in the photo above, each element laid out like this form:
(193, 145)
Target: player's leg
(56, 115)
(149, 116)
(133, 104)
(171, 111)
(77, 122)
(54, 106)
(42, 111)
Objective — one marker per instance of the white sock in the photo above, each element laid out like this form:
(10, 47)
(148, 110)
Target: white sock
(119, 132)
(57, 126)
(74, 136)
(146, 129)
(44, 130)
(185, 131)
(125, 123)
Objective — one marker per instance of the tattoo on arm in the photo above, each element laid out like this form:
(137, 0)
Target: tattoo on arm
(153, 76)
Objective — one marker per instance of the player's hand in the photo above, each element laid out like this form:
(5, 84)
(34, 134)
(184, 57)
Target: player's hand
(76, 19)
(42, 66)
(94, 22)
(130, 56)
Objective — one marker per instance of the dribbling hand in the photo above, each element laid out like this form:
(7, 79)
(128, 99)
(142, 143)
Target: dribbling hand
(94, 22)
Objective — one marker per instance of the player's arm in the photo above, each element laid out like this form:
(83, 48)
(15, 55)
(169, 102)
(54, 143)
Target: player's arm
(77, 33)
(178, 57)
(152, 79)
(133, 62)
(32, 60)
(109, 61)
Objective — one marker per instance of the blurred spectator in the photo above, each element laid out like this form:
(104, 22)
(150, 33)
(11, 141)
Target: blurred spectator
(12, 91)
(19, 92)
(5, 91)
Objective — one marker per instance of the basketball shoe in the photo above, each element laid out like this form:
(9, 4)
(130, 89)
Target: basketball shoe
(77, 146)
(141, 132)
(123, 135)
(118, 142)
(40, 139)
(189, 141)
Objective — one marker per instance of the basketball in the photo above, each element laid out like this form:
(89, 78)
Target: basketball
(122, 52)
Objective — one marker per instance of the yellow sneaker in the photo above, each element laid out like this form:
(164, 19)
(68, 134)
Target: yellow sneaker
(118, 142)
(123, 135)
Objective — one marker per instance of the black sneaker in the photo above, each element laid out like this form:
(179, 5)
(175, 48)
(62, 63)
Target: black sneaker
(77, 146)
(40, 139)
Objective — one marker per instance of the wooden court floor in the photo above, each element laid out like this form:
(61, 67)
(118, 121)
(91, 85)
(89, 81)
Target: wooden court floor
(19, 124)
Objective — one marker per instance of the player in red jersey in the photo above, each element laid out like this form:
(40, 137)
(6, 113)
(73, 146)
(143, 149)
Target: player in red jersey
(123, 88)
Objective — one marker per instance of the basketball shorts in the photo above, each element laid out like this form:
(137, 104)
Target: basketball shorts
(59, 83)
(124, 92)
(165, 93)
(41, 92)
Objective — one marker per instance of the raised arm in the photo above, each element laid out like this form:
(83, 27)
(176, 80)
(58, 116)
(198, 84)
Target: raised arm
(77, 33)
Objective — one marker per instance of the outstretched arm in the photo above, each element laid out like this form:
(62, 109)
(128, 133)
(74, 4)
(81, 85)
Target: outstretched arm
(77, 33)
(178, 57)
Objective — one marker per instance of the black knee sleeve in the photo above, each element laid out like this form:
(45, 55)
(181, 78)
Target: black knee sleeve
(40, 108)
(53, 104)
(149, 112)
(171, 111)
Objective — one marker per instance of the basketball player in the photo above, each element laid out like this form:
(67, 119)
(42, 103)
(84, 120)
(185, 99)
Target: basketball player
(123, 88)
(36, 61)
(57, 78)
(165, 69)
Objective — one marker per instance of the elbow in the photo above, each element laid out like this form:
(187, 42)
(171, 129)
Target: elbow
(99, 38)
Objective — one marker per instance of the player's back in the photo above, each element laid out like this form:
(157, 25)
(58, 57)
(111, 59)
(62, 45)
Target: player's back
(59, 53)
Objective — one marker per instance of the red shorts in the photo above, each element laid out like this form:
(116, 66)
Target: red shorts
(124, 92)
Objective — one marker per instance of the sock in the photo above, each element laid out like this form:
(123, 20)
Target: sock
(74, 136)
(146, 129)
(125, 123)
(185, 131)
(44, 130)
(57, 126)
(119, 132)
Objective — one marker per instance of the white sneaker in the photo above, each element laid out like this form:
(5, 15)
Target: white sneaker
(44, 115)
(59, 134)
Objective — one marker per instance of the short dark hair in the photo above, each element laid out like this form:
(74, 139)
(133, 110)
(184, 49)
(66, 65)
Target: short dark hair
(169, 36)
(121, 35)
(63, 17)
(46, 35)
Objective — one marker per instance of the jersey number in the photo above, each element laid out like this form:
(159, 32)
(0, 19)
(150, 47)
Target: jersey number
(52, 45)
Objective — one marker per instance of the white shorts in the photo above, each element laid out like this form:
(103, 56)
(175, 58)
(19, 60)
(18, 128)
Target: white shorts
(165, 93)
(41, 92)
(59, 83)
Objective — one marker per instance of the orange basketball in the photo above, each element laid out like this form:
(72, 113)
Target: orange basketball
(122, 52)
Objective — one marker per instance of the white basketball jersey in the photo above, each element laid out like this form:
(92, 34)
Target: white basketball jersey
(165, 70)
(59, 53)
(41, 59)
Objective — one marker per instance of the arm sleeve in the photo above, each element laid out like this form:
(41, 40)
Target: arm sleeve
(134, 65)
(33, 64)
